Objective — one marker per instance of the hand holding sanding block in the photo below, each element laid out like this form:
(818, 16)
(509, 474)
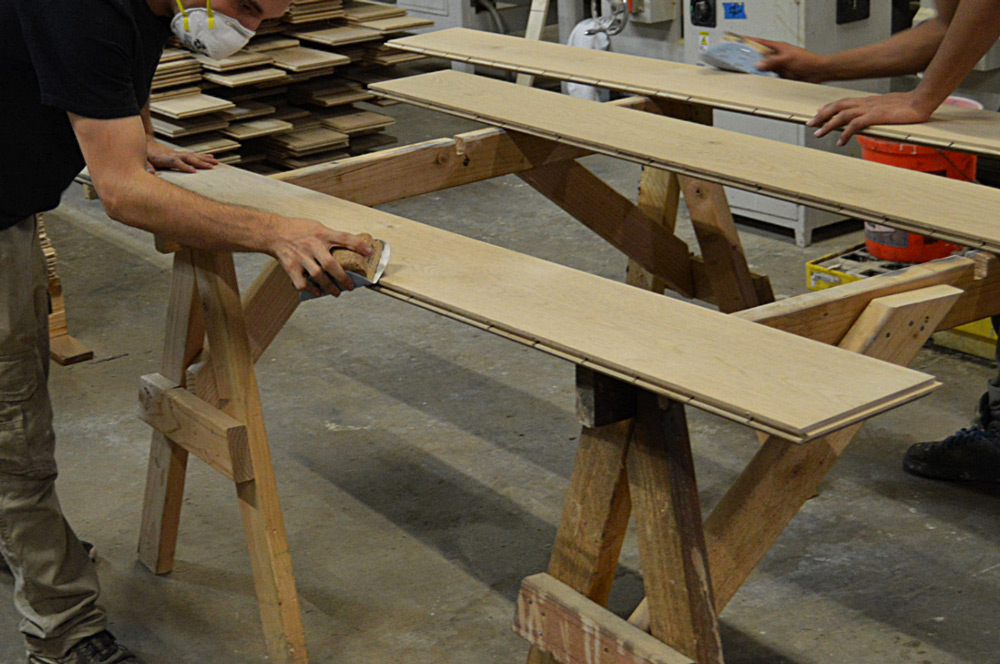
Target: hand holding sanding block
(363, 270)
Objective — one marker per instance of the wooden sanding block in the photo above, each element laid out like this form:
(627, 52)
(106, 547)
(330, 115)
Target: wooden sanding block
(363, 270)
(365, 266)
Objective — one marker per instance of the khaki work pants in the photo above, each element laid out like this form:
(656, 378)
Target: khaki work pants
(55, 583)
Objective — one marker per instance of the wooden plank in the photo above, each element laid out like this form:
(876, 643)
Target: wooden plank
(942, 208)
(236, 381)
(616, 219)
(338, 36)
(594, 518)
(434, 165)
(726, 266)
(675, 566)
(952, 128)
(827, 315)
(781, 477)
(67, 350)
(575, 630)
(300, 59)
(180, 108)
(659, 198)
(208, 433)
(537, 13)
(161, 506)
(675, 347)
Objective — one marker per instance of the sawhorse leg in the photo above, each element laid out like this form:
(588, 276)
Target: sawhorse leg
(232, 439)
(783, 475)
(642, 461)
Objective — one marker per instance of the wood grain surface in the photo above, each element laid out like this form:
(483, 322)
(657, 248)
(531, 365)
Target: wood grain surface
(758, 376)
(954, 128)
(940, 207)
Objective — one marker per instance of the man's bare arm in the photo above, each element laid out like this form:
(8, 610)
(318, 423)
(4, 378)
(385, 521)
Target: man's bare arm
(115, 152)
(906, 52)
(972, 30)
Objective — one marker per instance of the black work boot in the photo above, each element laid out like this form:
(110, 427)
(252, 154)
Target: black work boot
(971, 454)
(101, 648)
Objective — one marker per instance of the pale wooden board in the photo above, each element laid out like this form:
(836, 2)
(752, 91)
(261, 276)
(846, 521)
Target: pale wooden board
(206, 143)
(950, 209)
(398, 24)
(301, 59)
(171, 81)
(359, 12)
(954, 128)
(172, 128)
(353, 121)
(240, 60)
(189, 106)
(245, 77)
(685, 351)
(304, 141)
(269, 43)
(244, 131)
(338, 36)
(246, 110)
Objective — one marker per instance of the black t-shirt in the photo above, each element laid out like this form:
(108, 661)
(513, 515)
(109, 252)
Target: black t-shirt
(94, 58)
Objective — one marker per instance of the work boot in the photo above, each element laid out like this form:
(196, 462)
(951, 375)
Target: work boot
(971, 454)
(100, 648)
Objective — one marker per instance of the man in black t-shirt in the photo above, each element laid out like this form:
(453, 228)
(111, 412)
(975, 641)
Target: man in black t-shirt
(76, 78)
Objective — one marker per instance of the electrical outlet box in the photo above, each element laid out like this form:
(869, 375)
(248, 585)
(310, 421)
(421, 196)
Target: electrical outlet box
(849, 11)
(654, 11)
(703, 13)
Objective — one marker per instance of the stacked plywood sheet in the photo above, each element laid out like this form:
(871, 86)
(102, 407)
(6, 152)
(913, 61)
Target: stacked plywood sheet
(177, 67)
(310, 11)
(287, 99)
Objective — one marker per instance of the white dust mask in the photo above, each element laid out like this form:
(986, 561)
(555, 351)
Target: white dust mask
(212, 33)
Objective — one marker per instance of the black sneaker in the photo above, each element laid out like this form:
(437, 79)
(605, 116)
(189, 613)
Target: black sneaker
(101, 648)
(971, 454)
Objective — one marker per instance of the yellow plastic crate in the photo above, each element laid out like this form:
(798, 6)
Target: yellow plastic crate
(853, 264)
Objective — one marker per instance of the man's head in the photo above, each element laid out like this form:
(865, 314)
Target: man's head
(248, 12)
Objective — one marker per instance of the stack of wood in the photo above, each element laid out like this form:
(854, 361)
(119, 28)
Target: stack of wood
(287, 99)
(311, 11)
(177, 67)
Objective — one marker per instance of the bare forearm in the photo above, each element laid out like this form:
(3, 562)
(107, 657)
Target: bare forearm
(148, 202)
(147, 121)
(974, 28)
(907, 52)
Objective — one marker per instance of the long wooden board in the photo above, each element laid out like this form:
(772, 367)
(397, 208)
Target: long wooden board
(948, 209)
(747, 372)
(953, 128)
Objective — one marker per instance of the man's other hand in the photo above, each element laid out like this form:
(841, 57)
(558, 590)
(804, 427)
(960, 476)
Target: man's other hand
(792, 62)
(161, 157)
(855, 115)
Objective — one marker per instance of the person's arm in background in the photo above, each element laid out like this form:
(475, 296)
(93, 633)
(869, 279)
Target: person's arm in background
(116, 152)
(906, 52)
(160, 156)
(972, 29)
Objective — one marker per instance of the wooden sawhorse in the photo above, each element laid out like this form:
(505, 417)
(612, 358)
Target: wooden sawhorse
(181, 404)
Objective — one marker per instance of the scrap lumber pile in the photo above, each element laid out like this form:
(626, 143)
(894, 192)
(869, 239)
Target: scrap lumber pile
(287, 99)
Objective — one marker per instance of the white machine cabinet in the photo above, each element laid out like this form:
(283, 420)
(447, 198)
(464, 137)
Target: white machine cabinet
(811, 24)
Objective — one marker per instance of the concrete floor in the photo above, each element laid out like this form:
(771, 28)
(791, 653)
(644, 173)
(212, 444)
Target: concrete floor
(422, 466)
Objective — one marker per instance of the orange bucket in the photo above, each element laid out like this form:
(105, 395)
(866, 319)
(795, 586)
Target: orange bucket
(895, 245)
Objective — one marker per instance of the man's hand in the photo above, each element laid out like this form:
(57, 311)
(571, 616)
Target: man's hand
(304, 246)
(854, 115)
(792, 62)
(159, 156)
